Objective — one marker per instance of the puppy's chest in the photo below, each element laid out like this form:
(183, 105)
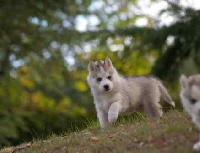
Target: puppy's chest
(106, 101)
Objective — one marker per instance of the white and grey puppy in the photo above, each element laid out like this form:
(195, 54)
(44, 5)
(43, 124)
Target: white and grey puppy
(190, 98)
(114, 94)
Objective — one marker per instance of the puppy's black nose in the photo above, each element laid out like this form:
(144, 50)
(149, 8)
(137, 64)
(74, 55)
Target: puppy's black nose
(106, 87)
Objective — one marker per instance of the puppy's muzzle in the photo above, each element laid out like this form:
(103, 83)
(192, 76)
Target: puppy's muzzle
(106, 87)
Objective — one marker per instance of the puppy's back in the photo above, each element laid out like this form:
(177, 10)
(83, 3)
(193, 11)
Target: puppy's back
(149, 88)
(144, 82)
(142, 86)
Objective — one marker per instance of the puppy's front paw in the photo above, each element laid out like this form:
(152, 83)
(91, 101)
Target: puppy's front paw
(196, 146)
(112, 117)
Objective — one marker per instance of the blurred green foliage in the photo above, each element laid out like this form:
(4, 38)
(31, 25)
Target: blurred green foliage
(45, 47)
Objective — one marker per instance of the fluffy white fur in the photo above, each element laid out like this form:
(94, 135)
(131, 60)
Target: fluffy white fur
(114, 94)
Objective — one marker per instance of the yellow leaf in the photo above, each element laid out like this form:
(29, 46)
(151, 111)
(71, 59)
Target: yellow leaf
(81, 86)
(100, 55)
(65, 102)
(35, 98)
(27, 83)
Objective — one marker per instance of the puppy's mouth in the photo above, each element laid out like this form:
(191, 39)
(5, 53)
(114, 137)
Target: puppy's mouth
(107, 89)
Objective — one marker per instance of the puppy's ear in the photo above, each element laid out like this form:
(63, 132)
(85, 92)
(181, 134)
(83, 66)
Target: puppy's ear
(91, 66)
(108, 62)
(183, 81)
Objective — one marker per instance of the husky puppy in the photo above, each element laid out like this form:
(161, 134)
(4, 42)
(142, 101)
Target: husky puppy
(114, 94)
(190, 98)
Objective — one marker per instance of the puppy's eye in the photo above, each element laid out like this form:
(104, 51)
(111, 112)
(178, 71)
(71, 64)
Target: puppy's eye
(193, 101)
(109, 77)
(99, 79)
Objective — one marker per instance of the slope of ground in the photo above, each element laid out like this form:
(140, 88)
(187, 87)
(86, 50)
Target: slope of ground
(174, 133)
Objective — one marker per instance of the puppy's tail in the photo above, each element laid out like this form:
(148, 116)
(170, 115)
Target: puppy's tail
(165, 95)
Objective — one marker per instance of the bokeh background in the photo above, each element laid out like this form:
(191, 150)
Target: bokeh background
(45, 47)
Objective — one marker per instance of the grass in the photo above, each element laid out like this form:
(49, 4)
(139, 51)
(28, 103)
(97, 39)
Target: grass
(174, 133)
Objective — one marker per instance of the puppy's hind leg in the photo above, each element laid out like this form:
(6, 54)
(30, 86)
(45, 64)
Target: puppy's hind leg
(152, 107)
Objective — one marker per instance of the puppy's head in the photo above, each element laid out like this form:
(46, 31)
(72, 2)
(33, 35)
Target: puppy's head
(102, 75)
(190, 94)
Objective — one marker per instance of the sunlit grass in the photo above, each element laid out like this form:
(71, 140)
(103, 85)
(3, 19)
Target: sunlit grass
(91, 123)
(131, 118)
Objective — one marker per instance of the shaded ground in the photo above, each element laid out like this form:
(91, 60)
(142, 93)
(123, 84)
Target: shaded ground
(174, 133)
